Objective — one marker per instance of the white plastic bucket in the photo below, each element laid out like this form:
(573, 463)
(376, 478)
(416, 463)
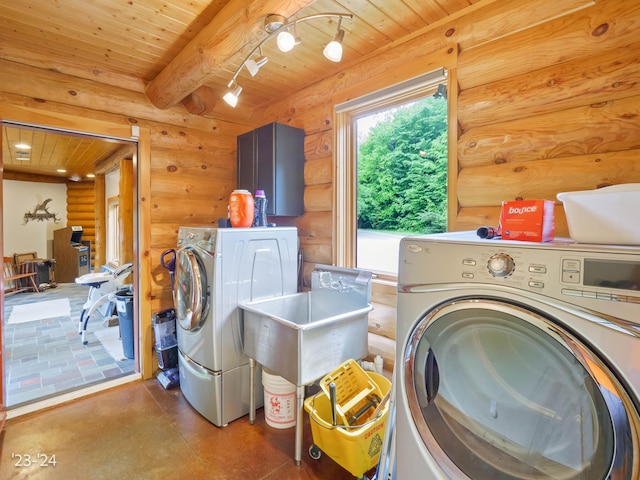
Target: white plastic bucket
(279, 400)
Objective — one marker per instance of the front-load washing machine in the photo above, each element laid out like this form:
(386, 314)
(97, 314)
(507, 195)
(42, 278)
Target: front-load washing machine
(216, 269)
(517, 360)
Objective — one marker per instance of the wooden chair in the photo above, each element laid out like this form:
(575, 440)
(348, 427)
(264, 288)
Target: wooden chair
(13, 279)
(19, 258)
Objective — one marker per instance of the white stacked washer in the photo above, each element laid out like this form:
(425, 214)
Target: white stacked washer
(215, 270)
(517, 360)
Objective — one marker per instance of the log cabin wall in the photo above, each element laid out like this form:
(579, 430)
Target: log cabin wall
(549, 101)
(81, 211)
(193, 159)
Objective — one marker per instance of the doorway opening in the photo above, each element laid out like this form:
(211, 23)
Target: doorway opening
(43, 352)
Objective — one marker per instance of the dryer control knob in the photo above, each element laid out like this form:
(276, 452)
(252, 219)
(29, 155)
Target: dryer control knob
(501, 265)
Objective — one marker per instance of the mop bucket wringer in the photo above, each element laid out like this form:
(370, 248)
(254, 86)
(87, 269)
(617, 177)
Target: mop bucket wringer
(355, 440)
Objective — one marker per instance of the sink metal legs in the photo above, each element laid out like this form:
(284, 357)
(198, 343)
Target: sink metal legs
(299, 409)
(252, 391)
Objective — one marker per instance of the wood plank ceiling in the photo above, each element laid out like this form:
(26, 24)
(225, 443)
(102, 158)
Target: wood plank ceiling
(146, 45)
(31, 152)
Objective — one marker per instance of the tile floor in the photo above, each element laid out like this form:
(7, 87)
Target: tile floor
(46, 357)
(142, 431)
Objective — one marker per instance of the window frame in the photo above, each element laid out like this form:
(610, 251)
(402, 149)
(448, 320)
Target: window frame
(345, 168)
(112, 250)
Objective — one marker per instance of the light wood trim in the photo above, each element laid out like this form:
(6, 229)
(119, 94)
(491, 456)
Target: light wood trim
(142, 251)
(100, 234)
(345, 177)
(125, 209)
(453, 133)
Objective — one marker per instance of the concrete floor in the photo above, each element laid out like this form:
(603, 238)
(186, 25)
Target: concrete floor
(142, 431)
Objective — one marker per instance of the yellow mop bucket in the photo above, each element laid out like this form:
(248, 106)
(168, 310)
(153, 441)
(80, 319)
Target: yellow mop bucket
(356, 448)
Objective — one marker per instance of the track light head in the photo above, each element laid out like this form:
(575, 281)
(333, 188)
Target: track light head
(254, 65)
(231, 97)
(333, 50)
(286, 41)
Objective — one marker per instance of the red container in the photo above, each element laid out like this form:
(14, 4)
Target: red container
(241, 209)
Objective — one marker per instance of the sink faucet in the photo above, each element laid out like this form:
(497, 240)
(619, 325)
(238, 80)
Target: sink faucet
(327, 281)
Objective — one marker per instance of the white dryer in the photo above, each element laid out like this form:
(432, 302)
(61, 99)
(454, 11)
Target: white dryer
(517, 360)
(215, 270)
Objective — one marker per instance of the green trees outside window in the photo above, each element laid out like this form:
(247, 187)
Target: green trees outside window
(402, 169)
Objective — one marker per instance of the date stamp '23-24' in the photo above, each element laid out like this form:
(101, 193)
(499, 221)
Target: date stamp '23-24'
(26, 460)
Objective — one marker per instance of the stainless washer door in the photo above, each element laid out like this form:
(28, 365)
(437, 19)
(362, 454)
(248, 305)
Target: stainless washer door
(190, 294)
(498, 392)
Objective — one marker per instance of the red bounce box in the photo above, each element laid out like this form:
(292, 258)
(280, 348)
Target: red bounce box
(527, 220)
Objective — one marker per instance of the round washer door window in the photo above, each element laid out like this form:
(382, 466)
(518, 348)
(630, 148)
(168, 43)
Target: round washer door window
(190, 294)
(499, 393)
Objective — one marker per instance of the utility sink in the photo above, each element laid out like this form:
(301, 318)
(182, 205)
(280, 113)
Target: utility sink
(304, 336)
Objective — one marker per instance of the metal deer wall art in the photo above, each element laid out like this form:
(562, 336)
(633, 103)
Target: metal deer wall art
(41, 213)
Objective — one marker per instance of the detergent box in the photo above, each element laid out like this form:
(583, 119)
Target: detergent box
(527, 220)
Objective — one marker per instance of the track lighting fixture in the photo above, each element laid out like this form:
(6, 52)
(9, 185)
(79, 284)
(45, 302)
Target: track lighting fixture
(277, 26)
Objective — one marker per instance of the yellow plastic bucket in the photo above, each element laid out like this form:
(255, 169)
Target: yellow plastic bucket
(356, 449)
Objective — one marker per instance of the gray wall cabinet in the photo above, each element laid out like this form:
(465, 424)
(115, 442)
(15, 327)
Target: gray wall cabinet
(271, 158)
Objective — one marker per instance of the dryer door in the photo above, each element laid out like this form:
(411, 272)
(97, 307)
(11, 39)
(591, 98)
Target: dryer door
(499, 392)
(190, 294)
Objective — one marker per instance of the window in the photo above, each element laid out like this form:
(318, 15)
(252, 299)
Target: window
(391, 172)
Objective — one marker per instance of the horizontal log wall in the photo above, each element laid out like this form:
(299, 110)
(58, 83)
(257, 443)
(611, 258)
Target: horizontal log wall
(549, 102)
(81, 210)
(193, 162)
(563, 116)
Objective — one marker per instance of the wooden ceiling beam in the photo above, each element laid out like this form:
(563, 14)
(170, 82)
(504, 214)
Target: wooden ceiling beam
(31, 177)
(201, 101)
(109, 164)
(237, 26)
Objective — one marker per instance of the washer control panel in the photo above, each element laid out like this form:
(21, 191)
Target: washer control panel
(556, 269)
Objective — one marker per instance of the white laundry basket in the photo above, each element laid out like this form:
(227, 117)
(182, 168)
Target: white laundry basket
(606, 215)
